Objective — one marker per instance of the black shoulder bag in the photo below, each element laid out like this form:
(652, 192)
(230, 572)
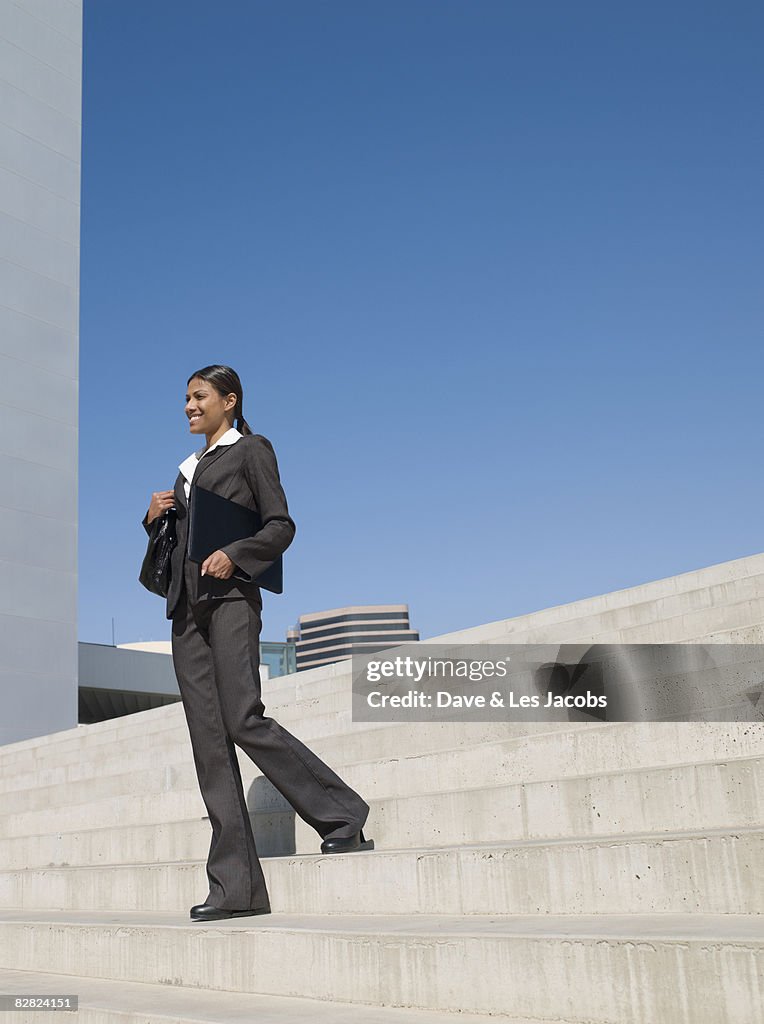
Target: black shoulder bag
(155, 571)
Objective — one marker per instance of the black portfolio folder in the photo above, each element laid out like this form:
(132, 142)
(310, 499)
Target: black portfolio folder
(215, 521)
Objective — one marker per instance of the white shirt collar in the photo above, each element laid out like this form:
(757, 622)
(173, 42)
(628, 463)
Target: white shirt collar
(187, 467)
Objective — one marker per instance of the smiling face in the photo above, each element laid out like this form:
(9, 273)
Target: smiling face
(206, 408)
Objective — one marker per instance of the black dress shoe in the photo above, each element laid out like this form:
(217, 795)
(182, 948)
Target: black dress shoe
(356, 842)
(206, 912)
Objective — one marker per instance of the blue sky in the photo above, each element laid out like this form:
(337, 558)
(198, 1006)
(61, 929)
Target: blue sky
(490, 274)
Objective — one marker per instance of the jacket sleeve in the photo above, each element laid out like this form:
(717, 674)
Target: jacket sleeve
(145, 522)
(253, 555)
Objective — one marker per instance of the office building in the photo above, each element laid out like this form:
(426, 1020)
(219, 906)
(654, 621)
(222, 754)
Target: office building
(339, 633)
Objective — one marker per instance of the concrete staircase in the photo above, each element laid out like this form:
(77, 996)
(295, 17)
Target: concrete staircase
(566, 872)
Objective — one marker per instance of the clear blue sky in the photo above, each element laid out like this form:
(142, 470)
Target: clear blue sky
(490, 273)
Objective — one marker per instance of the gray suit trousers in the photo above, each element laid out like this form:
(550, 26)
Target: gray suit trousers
(216, 656)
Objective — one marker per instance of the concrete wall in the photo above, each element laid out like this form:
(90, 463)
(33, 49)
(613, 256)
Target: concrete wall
(40, 126)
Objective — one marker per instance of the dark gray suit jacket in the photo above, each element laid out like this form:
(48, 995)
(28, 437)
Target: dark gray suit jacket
(247, 472)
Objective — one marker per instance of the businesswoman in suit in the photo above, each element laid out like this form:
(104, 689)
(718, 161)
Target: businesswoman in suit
(215, 609)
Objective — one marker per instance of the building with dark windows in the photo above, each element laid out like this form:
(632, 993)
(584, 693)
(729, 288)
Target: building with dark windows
(337, 634)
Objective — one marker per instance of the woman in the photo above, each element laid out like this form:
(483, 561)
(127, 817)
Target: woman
(215, 609)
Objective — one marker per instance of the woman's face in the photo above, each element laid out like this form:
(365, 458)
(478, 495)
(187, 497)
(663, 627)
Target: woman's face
(205, 407)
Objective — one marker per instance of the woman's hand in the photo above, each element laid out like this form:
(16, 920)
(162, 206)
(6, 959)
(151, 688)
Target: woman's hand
(160, 502)
(218, 564)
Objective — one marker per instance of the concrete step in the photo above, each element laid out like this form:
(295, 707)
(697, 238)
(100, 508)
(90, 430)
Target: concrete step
(129, 1002)
(578, 750)
(688, 797)
(333, 707)
(712, 625)
(364, 741)
(744, 625)
(655, 593)
(692, 872)
(684, 619)
(676, 611)
(317, 721)
(739, 624)
(335, 689)
(320, 725)
(92, 745)
(699, 968)
(91, 749)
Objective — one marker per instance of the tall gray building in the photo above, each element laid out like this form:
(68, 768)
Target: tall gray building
(40, 129)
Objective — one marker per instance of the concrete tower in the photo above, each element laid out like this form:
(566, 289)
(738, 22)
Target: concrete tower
(40, 128)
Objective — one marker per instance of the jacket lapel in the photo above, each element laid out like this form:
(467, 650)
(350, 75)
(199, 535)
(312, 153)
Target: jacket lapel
(202, 466)
(207, 460)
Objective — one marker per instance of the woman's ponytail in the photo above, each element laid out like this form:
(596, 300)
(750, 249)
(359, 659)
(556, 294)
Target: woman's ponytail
(241, 425)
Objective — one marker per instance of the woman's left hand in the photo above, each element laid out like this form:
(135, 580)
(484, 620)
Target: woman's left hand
(218, 564)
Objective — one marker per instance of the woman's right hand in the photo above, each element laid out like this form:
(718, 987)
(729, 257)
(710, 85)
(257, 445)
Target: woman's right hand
(160, 502)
